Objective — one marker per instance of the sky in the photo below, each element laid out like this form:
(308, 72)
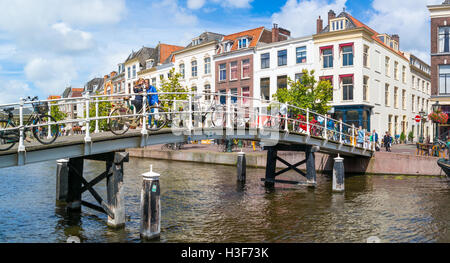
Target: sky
(48, 45)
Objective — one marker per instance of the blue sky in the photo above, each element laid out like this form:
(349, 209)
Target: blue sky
(47, 45)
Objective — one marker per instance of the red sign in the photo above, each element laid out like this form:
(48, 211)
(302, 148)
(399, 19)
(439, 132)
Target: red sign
(417, 118)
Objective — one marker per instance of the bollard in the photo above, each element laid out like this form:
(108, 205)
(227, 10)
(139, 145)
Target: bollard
(338, 174)
(150, 206)
(241, 167)
(62, 179)
(115, 189)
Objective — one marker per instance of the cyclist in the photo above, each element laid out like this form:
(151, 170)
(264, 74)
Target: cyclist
(137, 102)
(153, 100)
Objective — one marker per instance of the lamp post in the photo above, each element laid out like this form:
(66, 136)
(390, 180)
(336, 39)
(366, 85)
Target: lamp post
(436, 125)
(422, 115)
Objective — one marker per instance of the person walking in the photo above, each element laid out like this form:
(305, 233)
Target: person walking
(153, 100)
(360, 140)
(375, 140)
(387, 139)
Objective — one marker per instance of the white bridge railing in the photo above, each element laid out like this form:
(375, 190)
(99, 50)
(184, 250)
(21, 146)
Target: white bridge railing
(239, 112)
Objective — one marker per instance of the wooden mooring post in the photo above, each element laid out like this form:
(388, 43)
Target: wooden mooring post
(150, 206)
(74, 192)
(62, 180)
(338, 174)
(241, 167)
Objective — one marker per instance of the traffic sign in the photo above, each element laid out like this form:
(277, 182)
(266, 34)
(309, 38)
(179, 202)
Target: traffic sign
(417, 118)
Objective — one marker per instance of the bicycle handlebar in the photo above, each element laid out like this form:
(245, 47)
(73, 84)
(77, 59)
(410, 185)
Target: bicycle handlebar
(32, 99)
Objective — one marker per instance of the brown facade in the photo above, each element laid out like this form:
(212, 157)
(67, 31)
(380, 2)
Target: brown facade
(239, 83)
(437, 59)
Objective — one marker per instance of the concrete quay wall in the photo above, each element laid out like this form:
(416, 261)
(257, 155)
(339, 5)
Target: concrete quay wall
(383, 163)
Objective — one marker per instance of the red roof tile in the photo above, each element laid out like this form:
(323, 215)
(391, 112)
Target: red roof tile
(253, 33)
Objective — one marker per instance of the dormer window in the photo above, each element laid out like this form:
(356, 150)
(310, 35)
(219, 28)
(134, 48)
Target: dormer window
(228, 46)
(243, 43)
(338, 24)
(150, 63)
(196, 41)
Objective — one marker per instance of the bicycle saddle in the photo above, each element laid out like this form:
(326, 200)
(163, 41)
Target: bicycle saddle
(8, 110)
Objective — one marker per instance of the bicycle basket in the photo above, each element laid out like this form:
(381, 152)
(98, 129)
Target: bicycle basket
(40, 107)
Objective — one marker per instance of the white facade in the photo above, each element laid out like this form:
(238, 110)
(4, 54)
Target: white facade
(273, 71)
(156, 74)
(198, 64)
(132, 69)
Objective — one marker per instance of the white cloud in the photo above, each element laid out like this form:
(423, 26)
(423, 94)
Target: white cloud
(300, 16)
(68, 39)
(234, 3)
(12, 90)
(7, 51)
(409, 19)
(51, 75)
(195, 4)
(170, 11)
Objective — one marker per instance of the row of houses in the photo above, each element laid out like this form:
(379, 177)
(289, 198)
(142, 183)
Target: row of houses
(375, 84)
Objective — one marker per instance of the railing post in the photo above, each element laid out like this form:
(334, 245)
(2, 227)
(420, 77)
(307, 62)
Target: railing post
(307, 123)
(286, 127)
(96, 116)
(144, 115)
(22, 129)
(49, 127)
(353, 135)
(325, 126)
(87, 137)
(340, 132)
(190, 110)
(229, 110)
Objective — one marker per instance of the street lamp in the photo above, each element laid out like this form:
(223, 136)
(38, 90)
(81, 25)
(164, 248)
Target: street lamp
(436, 126)
(422, 115)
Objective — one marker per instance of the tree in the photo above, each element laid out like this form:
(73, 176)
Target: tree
(56, 113)
(172, 84)
(104, 108)
(307, 93)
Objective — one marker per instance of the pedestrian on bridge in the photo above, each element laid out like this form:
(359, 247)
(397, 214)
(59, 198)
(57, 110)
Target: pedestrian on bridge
(153, 100)
(361, 137)
(387, 139)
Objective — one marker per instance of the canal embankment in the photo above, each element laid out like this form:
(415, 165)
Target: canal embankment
(383, 163)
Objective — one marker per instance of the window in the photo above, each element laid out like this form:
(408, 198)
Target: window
(234, 94)
(282, 57)
(404, 99)
(207, 90)
(366, 56)
(298, 77)
(396, 97)
(245, 94)
(246, 68)
(301, 55)
(265, 60)
(386, 95)
(444, 79)
(423, 85)
(194, 68)
(228, 46)
(347, 56)
(390, 124)
(327, 78)
(418, 84)
(222, 72)
(386, 66)
(444, 40)
(129, 72)
(366, 88)
(412, 81)
(404, 74)
(282, 82)
(134, 71)
(396, 76)
(182, 70)
(418, 103)
(243, 43)
(347, 88)
(233, 71)
(265, 88)
(207, 65)
(327, 55)
(223, 98)
(149, 63)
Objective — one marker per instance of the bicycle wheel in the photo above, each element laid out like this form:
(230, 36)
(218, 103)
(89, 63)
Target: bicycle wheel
(7, 138)
(157, 119)
(217, 117)
(48, 133)
(118, 124)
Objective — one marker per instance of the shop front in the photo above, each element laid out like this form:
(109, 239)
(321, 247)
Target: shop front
(358, 115)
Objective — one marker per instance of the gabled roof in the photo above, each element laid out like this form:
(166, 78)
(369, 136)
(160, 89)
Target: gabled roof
(142, 55)
(254, 34)
(355, 23)
(165, 52)
(207, 37)
(89, 87)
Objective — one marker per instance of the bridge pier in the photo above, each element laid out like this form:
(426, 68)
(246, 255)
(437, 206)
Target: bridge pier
(76, 185)
(272, 158)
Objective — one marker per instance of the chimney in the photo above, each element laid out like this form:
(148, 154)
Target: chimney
(319, 25)
(396, 38)
(331, 15)
(275, 33)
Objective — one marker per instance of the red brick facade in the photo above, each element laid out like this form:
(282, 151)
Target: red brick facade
(228, 84)
(436, 59)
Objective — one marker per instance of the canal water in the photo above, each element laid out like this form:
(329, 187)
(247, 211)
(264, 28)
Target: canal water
(203, 203)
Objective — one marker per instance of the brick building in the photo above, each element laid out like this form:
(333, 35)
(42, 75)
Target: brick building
(440, 61)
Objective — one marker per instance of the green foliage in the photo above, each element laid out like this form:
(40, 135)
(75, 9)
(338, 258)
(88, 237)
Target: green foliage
(403, 137)
(104, 108)
(56, 112)
(172, 84)
(307, 93)
(411, 136)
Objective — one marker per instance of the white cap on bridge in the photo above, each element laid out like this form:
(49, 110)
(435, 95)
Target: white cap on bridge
(151, 173)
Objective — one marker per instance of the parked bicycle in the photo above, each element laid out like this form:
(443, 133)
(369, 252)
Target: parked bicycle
(122, 117)
(46, 131)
